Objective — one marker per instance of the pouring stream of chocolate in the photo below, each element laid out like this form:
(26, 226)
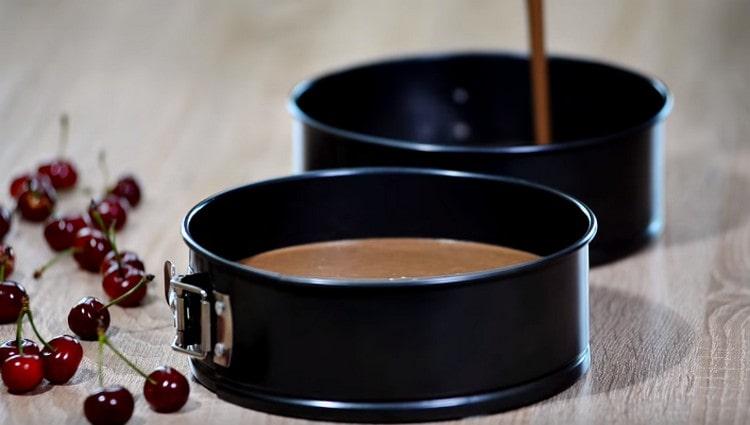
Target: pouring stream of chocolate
(539, 74)
(398, 258)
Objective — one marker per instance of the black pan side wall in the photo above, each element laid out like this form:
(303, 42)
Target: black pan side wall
(621, 181)
(404, 343)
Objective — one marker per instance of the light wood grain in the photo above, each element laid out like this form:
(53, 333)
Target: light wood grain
(191, 97)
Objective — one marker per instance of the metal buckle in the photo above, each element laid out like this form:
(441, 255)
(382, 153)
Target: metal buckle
(223, 347)
(182, 298)
(178, 294)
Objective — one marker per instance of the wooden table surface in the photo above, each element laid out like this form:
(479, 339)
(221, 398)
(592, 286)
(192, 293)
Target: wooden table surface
(191, 97)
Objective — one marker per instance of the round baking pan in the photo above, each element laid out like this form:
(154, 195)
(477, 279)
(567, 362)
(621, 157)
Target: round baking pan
(385, 350)
(472, 112)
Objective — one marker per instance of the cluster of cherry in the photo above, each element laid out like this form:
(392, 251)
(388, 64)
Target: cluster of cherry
(90, 239)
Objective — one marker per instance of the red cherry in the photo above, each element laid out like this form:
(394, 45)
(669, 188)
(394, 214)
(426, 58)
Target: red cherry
(111, 210)
(61, 173)
(36, 204)
(121, 281)
(61, 363)
(19, 185)
(90, 248)
(127, 187)
(7, 259)
(22, 373)
(25, 182)
(9, 348)
(61, 233)
(12, 295)
(5, 221)
(86, 317)
(126, 258)
(109, 406)
(169, 390)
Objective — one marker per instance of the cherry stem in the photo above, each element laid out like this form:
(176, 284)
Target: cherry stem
(19, 331)
(144, 281)
(64, 131)
(97, 216)
(2, 272)
(26, 311)
(104, 340)
(104, 169)
(109, 232)
(36, 331)
(40, 271)
(113, 243)
(100, 358)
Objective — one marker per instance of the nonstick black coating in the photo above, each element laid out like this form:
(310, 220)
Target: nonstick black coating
(471, 112)
(404, 350)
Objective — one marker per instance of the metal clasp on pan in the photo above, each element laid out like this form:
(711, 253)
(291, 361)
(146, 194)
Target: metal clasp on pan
(191, 310)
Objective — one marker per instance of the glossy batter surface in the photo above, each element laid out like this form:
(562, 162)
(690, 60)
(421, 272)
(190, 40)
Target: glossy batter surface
(387, 258)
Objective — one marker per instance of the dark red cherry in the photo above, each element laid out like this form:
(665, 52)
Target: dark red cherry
(122, 280)
(61, 233)
(7, 260)
(61, 363)
(61, 173)
(126, 258)
(9, 348)
(25, 182)
(109, 406)
(111, 210)
(85, 318)
(37, 204)
(12, 295)
(22, 373)
(19, 185)
(169, 390)
(90, 248)
(5, 221)
(127, 187)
